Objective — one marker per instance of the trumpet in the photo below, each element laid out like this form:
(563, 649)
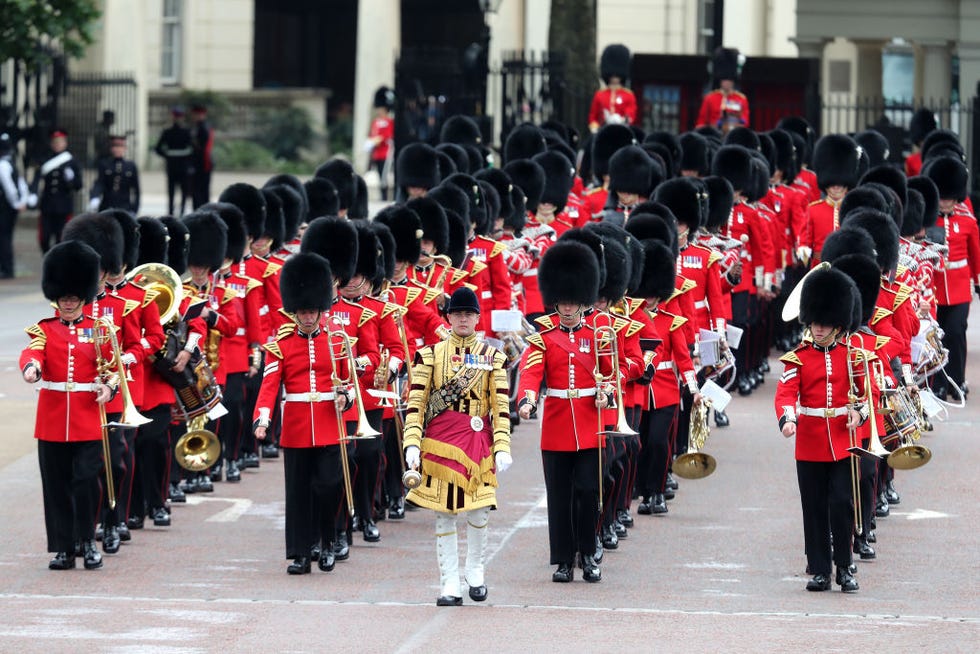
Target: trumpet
(695, 464)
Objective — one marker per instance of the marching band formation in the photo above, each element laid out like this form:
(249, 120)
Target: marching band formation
(609, 288)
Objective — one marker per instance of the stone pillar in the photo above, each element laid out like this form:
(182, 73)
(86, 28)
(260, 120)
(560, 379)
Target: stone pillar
(809, 48)
(936, 80)
(378, 42)
(868, 95)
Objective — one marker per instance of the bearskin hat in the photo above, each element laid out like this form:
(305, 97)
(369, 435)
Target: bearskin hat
(208, 239)
(384, 97)
(451, 197)
(891, 177)
(306, 282)
(131, 235)
(293, 182)
(252, 204)
(785, 154)
(618, 269)
(458, 231)
(605, 143)
(178, 243)
(893, 204)
(802, 151)
(836, 160)
(725, 63)
(529, 177)
(492, 200)
(828, 298)
(760, 179)
(417, 165)
(323, 198)
(523, 142)
(460, 129)
(476, 211)
(923, 122)
(235, 222)
(694, 153)
(559, 128)
(659, 276)
(721, 199)
(914, 212)
(275, 221)
(406, 229)
(386, 252)
(595, 243)
(569, 272)
(559, 175)
(950, 176)
(634, 249)
(743, 136)
(461, 161)
(153, 241)
(882, 229)
(368, 258)
(615, 62)
(799, 125)
(435, 226)
(670, 141)
(662, 227)
(359, 210)
(863, 197)
(682, 196)
(664, 164)
(734, 163)
(475, 159)
(334, 239)
(341, 173)
(930, 196)
(863, 270)
(103, 234)
(292, 209)
(847, 240)
(875, 144)
(501, 181)
(767, 148)
(630, 171)
(941, 138)
(71, 267)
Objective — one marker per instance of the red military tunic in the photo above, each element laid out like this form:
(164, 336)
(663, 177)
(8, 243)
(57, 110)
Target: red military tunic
(563, 359)
(423, 325)
(235, 350)
(953, 285)
(228, 307)
(148, 317)
(822, 218)
(595, 202)
(913, 164)
(719, 106)
(385, 334)
(700, 265)
(541, 237)
(757, 262)
(355, 319)
(674, 362)
(612, 106)
(806, 180)
(302, 364)
(495, 287)
(266, 272)
(65, 353)
(814, 384)
(125, 317)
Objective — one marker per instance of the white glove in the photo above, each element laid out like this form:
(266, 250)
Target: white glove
(128, 359)
(503, 461)
(32, 200)
(93, 204)
(413, 457)
(69, 174)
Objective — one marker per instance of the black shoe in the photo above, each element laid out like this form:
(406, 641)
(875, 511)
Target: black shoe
(515, 419)
(449, 600)
(659, 505)
(818, 583)
(744, 386)
(99, 531)
(564, 574)
(645, 508)
(110, 540)
(215, 474)
(176, 494)
(326, 560)
(757, 378)
(232, 472)
(872, 536)
(62, 561)
(315, 550)
(861, 547)
(846, 581)
(371, 533)
(721, 419)
(134, 522)
(270, 451)
(124, 534)
(671, 482)
(764, 368)
(341, 547)
(620, 529)
(881, 508)
(251, 459)
(669, 494)
(160, 517)
(478, 593)
(191, 485)
(891, 494)
(590, 570)
(610, 541)
(91, 554)
(396, 509)
(599, 552)
(204, 484)
(625, 518)
(299, 566)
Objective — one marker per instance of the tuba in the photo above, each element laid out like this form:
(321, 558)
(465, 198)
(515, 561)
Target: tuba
(199, 448)
(695, 464)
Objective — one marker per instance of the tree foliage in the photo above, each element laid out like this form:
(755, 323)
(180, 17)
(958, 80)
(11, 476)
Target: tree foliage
(33, 31)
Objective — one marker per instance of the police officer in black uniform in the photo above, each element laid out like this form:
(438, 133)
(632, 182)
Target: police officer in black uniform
(117, 185)
(61, 177)
(175, 146)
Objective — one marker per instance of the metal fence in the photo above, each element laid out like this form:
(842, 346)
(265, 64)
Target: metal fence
(95, 105)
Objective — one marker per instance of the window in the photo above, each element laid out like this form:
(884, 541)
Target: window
(706, 27)
(171, 45)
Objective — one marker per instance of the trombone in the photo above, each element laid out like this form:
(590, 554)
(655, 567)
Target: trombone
(607, 350)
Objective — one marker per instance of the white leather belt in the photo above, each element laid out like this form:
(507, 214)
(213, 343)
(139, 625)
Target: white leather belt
(665, 365)
(486, 295)
(240, 331)
(65, 387)
(310, 397)
(834, 412)
(533, 272)
(570, 393)
(701, 304)
(955, 265)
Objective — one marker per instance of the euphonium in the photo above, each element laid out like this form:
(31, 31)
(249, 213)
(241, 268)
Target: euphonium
(165, 282)
(199, 448)
(695, 464)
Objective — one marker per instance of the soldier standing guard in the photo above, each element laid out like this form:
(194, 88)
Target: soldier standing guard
(62, 176)
(175, 147)
(614, 104)
(458, 428)
(118, 183)
(725, 107)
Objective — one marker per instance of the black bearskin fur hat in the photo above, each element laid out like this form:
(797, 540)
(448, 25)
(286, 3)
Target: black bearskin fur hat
(103, 234)
(334, 239)
(71, 268)
(435, 226)
(417, 165)
(131, 235)
(154, 241)
(178, 245)
(341, 174)
(882, 229)
(306, 282)
(252, 203)
(235, 222)
(406, 229)
(569, 272)
(659, 277)
(930, 196)
(208, 239)
(828, 298)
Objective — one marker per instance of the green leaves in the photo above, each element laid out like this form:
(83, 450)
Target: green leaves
(34, 31)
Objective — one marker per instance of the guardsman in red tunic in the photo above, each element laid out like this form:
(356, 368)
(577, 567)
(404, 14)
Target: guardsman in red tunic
(615, 104)
(300, 360)
(62, 359)
(292, 216)
(605, 143)
(815, 403)
(563, 359)
(529, 177)
(835, 161)
(630, 180)
(953, 285)
(725, 107)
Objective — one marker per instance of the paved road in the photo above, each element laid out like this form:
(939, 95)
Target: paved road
(723, 570)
